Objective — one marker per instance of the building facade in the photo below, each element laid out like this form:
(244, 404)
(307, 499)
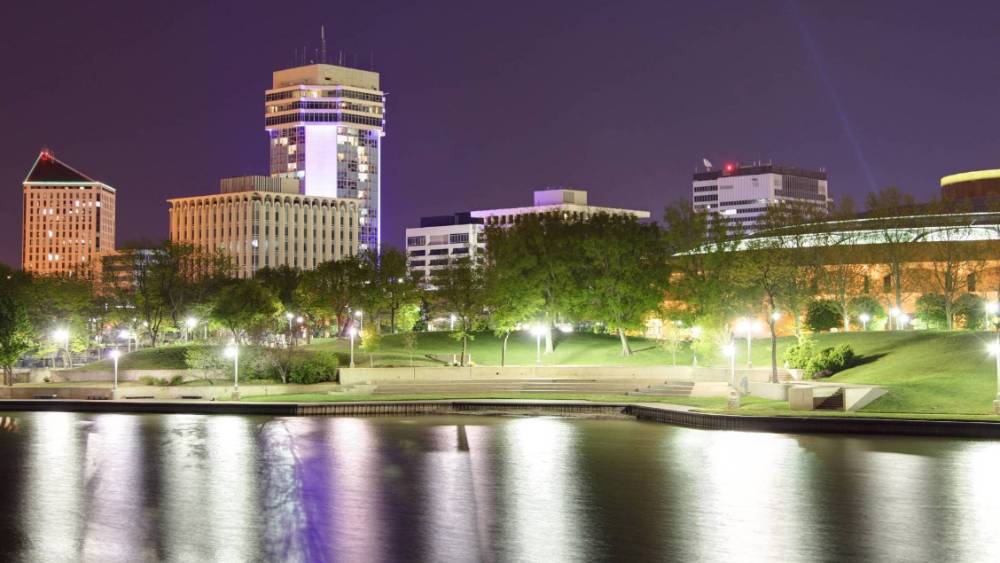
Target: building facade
(68, 219)
(265, 222)
(438, 240)
(441, 239)
(325, 125)
(566, 202)
(976, 186)
(740, 194)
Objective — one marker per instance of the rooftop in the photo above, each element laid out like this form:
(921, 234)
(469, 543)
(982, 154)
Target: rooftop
(49, 169)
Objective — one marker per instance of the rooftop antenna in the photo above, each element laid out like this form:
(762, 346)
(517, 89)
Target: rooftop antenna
(707, 163)
(340, 57)
(322, 42)
(303, 54)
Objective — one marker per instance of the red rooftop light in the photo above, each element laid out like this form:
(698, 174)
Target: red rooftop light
(730, 167)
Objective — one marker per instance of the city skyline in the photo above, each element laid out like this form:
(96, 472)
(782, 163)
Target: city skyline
(490, 105)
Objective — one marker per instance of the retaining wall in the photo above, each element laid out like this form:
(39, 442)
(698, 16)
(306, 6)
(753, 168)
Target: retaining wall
(351, 376)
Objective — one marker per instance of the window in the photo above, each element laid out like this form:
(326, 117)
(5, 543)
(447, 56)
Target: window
(458, 238)
(417, 252)
(970, 282)
(887, 284)
(438, 251)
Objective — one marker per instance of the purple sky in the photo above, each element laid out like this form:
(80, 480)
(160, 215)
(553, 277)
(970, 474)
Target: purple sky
(623, 99)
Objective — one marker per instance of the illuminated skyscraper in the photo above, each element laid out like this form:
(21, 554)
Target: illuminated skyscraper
(325, 125)
(69, 219)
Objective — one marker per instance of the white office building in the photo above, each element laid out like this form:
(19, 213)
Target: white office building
(741, 194)
(325, 125)
(441, 239)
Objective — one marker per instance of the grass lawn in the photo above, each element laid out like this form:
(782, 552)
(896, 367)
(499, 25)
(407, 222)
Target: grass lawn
(162, 357)
(578, 348)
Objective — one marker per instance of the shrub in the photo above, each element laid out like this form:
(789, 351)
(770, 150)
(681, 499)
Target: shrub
(147, 380)
(213, 359)
(822, 315)
(314, 367)
(972, 310)
(866, 304)
(177, 380)
(797, 355)
(930, 309)
(830, 361)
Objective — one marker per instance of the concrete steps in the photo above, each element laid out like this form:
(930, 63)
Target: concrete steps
(834, 402)
(507, 386)
(668, 389)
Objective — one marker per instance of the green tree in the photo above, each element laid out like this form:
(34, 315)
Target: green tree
(542, 249)
(511, 299)
(705, 263)
(245, 306)
(823, 315)
(626, 274)
(283, 281)
(396, 289)
(17, 336)
(894, 241)
(329, 290)
(459, 289)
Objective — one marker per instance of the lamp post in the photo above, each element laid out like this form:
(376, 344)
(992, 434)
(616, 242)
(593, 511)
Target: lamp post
(993, 308)
(538, 331)
(233, 351)
(729, 351)
(190, 323)
(452, 319)
(360, 315)
(893, 313)
(864, 318)
(901, 321)
(695, 335)
(127, 336)
(352, 331)
(115, 354)
(61, 336)
(747, 326)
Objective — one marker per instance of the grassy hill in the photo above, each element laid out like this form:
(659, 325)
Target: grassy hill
(571, 349)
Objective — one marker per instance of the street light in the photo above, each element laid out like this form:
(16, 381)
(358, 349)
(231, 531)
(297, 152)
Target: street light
(233, 351)
(902, 320)
(747, 326)
(127, 336)
(695, 335)
(993, 308)
(893, 313)
(452, 321)
(352, 331)
(729, 351)
(115, 354)
(538, 331)
(189, 323)
(61, 336)
(864, 318)
(360, 315)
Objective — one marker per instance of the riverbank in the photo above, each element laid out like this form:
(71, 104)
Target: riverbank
(681, 415)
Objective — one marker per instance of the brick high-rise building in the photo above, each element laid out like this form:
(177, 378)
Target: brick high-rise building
(69, 219)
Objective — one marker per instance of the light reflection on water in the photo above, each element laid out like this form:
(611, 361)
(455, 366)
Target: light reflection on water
(107, 487)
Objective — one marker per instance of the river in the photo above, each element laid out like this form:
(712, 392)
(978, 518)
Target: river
(121, 487)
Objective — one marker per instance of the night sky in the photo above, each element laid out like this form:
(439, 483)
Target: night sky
(623, 99)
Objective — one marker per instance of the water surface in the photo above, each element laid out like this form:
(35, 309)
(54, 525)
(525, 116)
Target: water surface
(110, 487)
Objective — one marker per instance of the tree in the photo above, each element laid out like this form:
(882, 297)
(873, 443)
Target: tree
(393, 284)
(459, 290)
(705, 264)
(823, 315)
(244, 306)
(283, 281)
(626, 274)
(893, 239)
(16, 332)
(329, 290)
(954, 261)
(511, 299)
(542, 250)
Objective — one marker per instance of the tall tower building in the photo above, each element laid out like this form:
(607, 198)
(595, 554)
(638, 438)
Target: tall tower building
(69, 219)
(325, 125)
